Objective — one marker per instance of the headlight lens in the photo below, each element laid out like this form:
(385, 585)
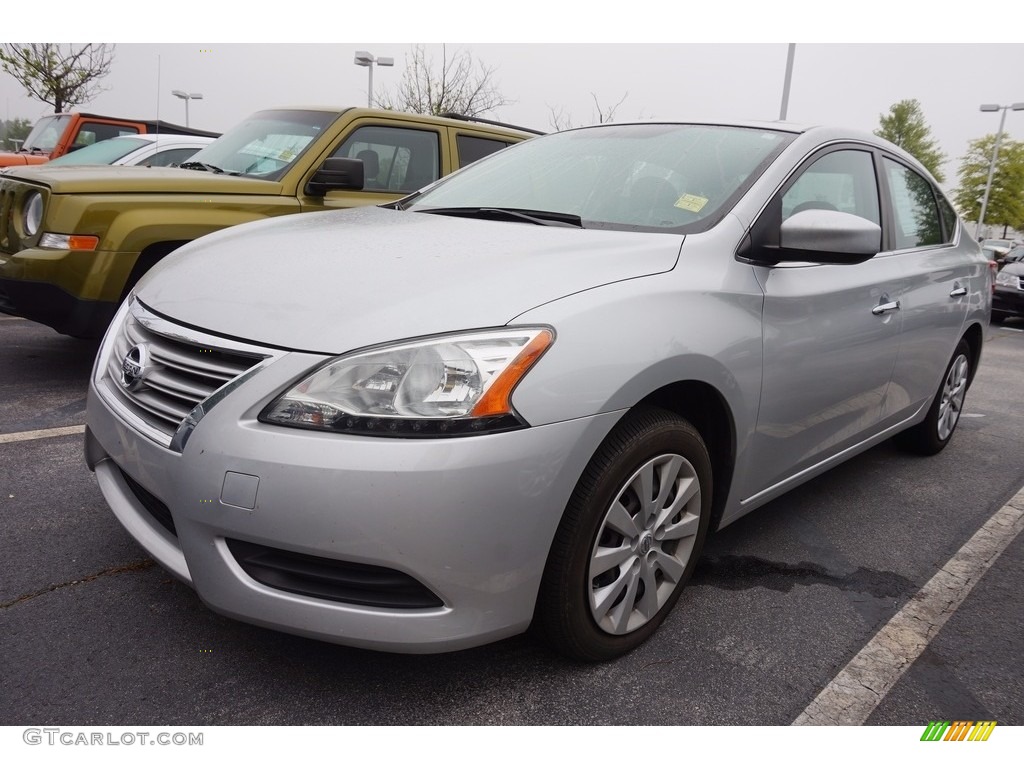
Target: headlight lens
(33, 213)
(445, 386)
(1005, 278)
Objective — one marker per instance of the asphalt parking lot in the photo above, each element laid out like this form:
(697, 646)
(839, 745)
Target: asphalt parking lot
(93, 633)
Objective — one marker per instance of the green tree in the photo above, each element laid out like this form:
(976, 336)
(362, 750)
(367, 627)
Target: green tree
(460, 84)
(905, 127)
(1006, 199)
(61, 75)
(12, 131)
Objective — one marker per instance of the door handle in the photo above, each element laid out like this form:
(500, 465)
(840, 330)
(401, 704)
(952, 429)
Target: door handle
(889, 306)
(957, 292)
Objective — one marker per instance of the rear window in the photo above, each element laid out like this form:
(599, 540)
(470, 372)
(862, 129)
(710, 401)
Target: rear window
(473, 148)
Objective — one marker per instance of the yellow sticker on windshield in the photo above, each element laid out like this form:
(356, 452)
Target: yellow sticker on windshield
(691, 203)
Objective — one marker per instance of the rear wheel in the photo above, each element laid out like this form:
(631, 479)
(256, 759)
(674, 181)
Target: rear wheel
(630, 538)
(931, 435)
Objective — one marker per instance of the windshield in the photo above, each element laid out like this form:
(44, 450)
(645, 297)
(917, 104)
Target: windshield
(101, 153)
(265, 145)
(647, 177)
(46, 133)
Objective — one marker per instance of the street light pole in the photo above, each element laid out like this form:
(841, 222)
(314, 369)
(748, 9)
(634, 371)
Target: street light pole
(187, 97)
(367, 59)
(787, 81)
(995, 155)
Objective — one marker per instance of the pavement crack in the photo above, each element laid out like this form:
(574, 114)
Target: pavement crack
(739, 572)
(138, 565)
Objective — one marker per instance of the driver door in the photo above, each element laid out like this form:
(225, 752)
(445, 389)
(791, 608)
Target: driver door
(830, 332)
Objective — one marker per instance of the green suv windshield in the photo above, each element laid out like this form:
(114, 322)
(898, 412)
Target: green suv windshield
(265, 145)
(648, 177)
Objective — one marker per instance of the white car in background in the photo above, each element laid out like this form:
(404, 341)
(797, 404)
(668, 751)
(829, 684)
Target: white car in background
(149, 149)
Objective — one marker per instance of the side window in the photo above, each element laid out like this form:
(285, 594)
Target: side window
(915, 213)
(90, 133)
(169, 157)
(394, 159)
(472, 148)
(839, 181)
(948, 218)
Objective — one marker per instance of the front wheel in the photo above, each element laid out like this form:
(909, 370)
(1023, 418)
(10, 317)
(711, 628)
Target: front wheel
(630, 538)
(931, 435)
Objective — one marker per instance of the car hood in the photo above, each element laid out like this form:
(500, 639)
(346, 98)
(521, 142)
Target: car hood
(72, 179)
(333, 282)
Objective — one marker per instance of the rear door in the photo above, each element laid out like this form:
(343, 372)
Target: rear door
(937, 282)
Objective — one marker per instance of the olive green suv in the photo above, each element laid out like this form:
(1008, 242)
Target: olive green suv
(74, 240)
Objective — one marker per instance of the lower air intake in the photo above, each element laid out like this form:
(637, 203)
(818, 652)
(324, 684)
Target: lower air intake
(329, 579)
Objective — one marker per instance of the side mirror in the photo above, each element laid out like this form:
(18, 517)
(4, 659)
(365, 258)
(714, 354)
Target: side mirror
(828, 237)
(816, 236)
(336, 173)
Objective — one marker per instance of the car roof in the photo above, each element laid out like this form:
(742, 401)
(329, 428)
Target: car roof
(816, 132)
(455, 122)
(154, 137)
(810, 134)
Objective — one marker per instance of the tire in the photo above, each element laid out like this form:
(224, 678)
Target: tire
(617, 565)
(934, 433)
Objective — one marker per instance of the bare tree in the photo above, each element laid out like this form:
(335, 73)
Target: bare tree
(561, 120)
(61, 75)
(460, 85)
(607, 114)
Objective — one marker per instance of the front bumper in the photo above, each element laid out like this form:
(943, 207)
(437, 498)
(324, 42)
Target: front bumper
(1008, 301)
(70, 291)
(470, 519)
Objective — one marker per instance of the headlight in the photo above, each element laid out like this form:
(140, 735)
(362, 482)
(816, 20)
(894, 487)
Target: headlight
(1005, 278)
(444, 386)
(33, 216)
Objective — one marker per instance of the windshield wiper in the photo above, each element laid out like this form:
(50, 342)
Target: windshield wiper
(544, 218)
(203, 167)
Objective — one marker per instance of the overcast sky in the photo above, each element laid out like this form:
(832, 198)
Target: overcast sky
(570, 56)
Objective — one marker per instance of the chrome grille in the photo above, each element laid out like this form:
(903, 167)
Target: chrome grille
(182, 369)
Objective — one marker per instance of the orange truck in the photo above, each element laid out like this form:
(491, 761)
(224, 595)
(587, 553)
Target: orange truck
(59, 134)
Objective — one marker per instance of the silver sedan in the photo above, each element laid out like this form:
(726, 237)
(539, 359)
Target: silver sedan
(526, 394)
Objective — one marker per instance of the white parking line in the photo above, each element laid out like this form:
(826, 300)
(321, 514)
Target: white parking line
(39, 434)
(861, 685)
